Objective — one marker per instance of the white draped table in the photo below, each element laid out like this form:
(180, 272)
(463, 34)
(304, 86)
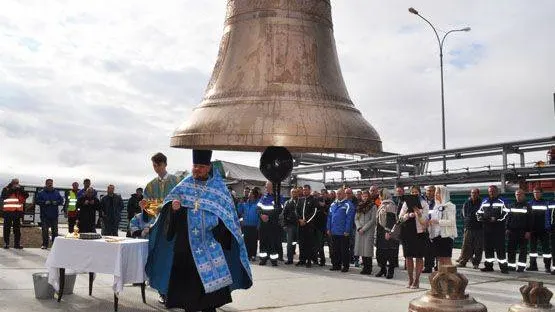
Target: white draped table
(124, 258)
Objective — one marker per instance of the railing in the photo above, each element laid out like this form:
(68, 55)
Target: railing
(413, 168)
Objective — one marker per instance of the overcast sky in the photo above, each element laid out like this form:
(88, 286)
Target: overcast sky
(93, 88)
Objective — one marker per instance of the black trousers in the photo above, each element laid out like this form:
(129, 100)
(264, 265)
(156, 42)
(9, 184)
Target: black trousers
(110, 227)
(552, 243)
(280, 249)
(307, 237)
(71, 223)
(292, 233)
(429, 258)
(340, 254)
(516, 241)
(251, 239)
(319, 245)
(270, 240)
(543, 238)
(494, 244)
(47, 223)
(12, 219)
(386, 257)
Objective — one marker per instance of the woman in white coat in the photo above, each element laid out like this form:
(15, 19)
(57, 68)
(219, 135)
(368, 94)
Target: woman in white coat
(443, 226)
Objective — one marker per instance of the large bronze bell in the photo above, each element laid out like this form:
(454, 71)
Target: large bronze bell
(447, 294)
(535, 298)
(277, 82)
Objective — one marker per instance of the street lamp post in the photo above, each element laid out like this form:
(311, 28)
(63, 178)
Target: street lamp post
(440, 43)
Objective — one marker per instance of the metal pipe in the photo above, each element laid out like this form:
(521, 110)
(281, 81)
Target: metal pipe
(548, 141)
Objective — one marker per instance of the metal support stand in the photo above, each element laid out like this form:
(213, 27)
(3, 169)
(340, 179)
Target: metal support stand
(91, 280)
(61, 283)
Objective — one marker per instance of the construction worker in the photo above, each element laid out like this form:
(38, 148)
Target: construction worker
(492, 214)
(540, 231)
(270, 239)
(519, 225)
(70, 209)
(13, 199)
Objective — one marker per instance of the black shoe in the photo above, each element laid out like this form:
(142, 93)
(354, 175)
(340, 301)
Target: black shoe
(511, 269)
(552, 272)
(390, 272)
(274, 262)
(520, 269)
(322, 262)
(263, 262)
(6, 246)
(339, 268)
(366, 270)
(18, 247)
(547, 270)
(486, 269)
(308, 264)
(427, 270)
(532, 269)
(504, 271)
(344, 270)
(300, 263)
(381, 273)
(288, 262)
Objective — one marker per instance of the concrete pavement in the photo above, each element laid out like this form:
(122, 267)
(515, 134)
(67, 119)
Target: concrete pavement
(282, 288)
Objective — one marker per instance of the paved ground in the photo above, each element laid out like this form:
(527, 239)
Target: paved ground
(285, 288)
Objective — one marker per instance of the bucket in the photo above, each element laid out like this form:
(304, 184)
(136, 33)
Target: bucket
(69, 283)
(43, 290)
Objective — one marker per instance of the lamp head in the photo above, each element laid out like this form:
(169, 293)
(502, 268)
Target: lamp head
(413, 11)
(466, 29)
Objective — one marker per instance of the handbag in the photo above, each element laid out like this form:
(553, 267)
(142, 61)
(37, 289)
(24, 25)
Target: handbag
(396, 231)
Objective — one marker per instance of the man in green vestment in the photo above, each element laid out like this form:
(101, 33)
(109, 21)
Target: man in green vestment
(159, 187)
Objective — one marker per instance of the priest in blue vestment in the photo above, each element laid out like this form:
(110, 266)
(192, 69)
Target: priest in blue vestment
(197, 255)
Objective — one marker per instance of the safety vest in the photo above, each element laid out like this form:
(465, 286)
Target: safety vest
(13, 203)
(72, 201)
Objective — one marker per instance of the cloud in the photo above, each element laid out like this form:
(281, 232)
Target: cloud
(93, 88)
(184, 85)
(470, 56)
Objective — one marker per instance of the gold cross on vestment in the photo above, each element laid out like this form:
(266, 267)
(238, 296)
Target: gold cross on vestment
(197, 205)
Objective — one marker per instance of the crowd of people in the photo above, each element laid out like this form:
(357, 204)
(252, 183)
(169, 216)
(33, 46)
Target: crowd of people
(351, 225)
(81, 206)
(356, 227)
(372, 222)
